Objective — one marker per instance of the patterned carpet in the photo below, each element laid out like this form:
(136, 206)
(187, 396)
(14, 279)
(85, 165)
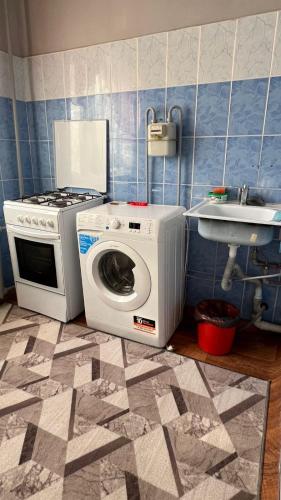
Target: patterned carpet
(85, 415)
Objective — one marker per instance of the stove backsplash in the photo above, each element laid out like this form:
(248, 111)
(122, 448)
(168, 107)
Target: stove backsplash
(227, 78)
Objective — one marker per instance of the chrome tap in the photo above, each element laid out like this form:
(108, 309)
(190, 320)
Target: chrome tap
(243, 194)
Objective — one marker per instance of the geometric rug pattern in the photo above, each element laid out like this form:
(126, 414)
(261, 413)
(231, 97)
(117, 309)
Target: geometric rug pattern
(86, 415)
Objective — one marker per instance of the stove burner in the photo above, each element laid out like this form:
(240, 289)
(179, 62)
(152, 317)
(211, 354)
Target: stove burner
(58, 198)
(61, 203)
(34, 200)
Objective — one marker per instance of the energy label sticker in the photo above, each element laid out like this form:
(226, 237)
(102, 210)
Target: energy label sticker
(144, 324)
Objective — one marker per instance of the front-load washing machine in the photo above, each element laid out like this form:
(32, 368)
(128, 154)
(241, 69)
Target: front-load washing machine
(132, 264)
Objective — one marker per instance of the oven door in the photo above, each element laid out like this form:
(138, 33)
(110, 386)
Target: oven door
(36, 258)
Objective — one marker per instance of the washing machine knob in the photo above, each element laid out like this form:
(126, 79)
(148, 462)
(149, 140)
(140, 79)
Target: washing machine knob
(115, 224)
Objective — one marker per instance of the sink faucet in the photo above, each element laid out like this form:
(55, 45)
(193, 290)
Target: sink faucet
(243, 194)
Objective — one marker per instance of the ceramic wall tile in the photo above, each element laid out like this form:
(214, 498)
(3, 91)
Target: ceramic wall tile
(75, 72)
(124, 115)
(170, 195)
(276, 63)
(155, 165)
(273, 112)
(270, 169)
(8, 162)
(7, 130)
(216, 52)
(209, 160)
(5, 82)
(185, 97)
(124, 192)
(26, 159)
(124, 65)
(242, 161)
(28, 187)
(171, 164)
(98, 68)
(254, 46)
(37, 120)
(99, 107)
(34, 79)
(11, 189)
(20, 72)
(125, 160)
(212, 109)
(198, 290)
(53, 75)
(247, 109)
(152, 55)
(22, 120)
(55, 110)
(183, 46)
(201, 255)
(77, 108)
(40, 158)
(156, 194)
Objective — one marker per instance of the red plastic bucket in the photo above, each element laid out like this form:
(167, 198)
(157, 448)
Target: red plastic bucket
(215, 339)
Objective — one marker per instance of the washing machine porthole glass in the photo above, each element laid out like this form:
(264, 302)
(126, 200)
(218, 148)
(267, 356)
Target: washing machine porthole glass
(116, 272)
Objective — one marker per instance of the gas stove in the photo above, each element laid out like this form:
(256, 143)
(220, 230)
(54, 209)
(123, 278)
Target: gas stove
(41, 228)
(46, 211)
(58, 198)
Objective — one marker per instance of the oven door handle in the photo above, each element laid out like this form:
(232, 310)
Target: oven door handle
(32, 234)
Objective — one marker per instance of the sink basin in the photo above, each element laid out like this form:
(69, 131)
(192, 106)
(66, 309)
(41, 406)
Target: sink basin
(235, 224)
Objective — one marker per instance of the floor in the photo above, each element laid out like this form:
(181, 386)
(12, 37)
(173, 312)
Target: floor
(257, 354)
(127, 420)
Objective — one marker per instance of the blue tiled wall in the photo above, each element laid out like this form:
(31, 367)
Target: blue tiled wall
(9, 177)
(232, 135)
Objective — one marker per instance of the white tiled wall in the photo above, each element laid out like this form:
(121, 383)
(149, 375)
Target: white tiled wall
(237, 49)
(255, 36)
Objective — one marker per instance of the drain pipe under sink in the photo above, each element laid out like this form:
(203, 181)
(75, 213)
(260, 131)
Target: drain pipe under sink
(226, 282)
(233, 269)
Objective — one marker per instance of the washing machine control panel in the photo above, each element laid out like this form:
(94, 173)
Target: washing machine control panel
(118, 224)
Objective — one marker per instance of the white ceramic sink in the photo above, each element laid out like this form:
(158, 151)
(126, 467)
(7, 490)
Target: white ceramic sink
(236, 224)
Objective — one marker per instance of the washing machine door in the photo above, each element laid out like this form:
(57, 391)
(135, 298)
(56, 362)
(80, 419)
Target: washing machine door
(119, 275)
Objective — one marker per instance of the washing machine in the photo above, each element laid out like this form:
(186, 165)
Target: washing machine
(132, 263)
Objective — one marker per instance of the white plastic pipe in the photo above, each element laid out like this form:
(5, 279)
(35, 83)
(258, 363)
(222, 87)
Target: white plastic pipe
(226, 282)
(265, 325)
(257, 303)
(262, 277)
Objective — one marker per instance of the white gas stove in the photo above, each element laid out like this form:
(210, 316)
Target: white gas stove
(42, 237)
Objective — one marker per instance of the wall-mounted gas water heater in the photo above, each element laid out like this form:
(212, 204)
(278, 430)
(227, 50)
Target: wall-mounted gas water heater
(164, 139)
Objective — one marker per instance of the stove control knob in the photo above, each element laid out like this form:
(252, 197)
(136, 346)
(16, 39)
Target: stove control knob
(28, 219)
(42, 222)
(20, 219)
(35, 220)
(115, 224)
(50, 223)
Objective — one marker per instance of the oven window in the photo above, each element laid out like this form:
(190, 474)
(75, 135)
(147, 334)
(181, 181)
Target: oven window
(36, 262)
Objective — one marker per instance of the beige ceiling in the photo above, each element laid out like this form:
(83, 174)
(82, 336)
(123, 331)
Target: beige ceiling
(54, 25)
